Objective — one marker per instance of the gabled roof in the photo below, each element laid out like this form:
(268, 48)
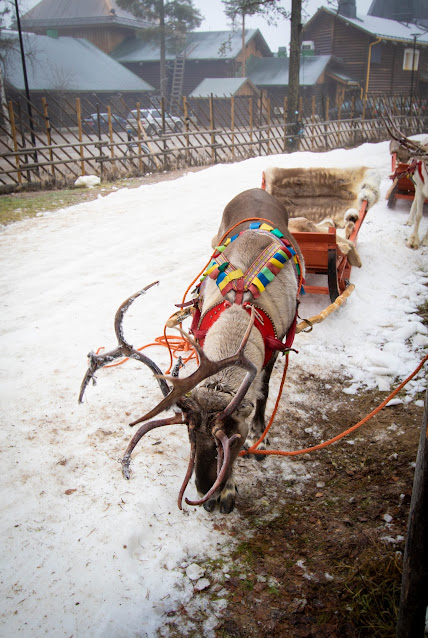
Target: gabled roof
(66, 13)
(200, 45)
(274, 71)
(67, 64)
(221, 87)
(378, 27)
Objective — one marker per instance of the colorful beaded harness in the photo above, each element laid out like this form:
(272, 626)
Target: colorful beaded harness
(261, 272)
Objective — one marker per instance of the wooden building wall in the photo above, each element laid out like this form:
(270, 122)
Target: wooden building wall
(195, 71)
(332, 36)
(105, 38)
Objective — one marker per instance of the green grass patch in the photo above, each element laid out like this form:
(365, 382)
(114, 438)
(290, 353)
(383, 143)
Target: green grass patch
(371, 594)
(18, 206)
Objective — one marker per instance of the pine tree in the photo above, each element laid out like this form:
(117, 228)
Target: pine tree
(172, 19)
(238, 9)
(294, 69)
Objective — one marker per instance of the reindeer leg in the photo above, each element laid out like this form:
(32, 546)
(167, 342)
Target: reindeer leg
(258, 423)
(413, 241)
(411, 217)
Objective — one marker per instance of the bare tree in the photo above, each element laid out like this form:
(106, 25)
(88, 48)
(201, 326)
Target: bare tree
(6, 44)
(171, 19)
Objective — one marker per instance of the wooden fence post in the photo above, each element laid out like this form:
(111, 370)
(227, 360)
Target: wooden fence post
(15, 141)
(250, 116)
(110, 130)
(100, 148)
(48, 133)
(212, 123)
(285, 124)
(414, 584)
(79, 127)
(313, 123)
(232, 123)
(260, 122)
(186, 128)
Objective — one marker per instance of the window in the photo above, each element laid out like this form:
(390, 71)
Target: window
(408, 58)
(377, 54)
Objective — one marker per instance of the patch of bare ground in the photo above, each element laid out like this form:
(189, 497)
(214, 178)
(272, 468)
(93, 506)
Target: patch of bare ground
(318, 557)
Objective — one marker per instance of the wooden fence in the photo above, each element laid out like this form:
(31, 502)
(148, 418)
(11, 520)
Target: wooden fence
(59, 139)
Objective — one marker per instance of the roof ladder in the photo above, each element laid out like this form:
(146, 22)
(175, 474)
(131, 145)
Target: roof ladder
(177, 81)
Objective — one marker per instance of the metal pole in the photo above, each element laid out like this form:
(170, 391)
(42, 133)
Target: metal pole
(24, 70)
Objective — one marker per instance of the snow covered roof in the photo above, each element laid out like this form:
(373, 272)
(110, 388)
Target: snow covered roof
(64, 13)
(274, 71)
(221, 87)
(399, 10)
(381, 27)
(67, 64)
(200, 45)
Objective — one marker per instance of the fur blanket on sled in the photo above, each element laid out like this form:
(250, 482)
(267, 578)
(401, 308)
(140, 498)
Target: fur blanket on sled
(318, 198)
(317, 193)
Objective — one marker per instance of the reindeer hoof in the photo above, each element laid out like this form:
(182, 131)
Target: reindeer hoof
(412, 243)
(227, 503)
(210, 506)
(250, 441)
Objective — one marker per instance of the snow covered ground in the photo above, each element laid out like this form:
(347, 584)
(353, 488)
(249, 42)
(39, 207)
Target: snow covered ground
(85, 553)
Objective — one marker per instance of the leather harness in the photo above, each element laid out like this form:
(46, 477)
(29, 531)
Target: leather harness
(410, 170)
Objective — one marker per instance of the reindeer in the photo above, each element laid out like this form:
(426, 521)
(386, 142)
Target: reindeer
(239, 329)
(417, 154)
(419, 175)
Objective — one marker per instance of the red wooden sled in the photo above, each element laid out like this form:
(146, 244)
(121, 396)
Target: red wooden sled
(403, 187)
(323, 256)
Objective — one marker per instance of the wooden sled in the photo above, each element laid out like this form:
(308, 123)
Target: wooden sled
(309, 193)
(402, 187)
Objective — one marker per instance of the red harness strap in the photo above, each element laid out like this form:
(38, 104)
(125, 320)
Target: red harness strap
(410, 170)
(262, 322)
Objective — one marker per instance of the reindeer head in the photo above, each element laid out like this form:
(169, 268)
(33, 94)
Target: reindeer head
(211, 433)
(215, 421)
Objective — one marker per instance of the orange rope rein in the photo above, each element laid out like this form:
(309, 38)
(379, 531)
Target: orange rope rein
(275, 409)
(253, 450)
(175, 345)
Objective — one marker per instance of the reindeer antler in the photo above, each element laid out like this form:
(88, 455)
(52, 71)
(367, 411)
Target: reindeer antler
(226, 443)
(206, 369)
(182, 386)
(123, 350)
(147, 427)
(415, 148)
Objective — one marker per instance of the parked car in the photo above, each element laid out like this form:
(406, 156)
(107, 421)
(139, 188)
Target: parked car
(354, 110)
(118, 123)
(151, 119)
